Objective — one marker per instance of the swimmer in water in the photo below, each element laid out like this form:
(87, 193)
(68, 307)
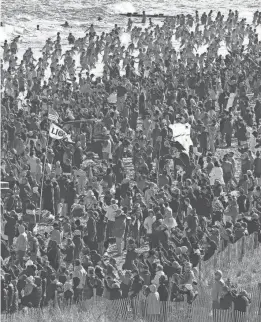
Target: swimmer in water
(143, 17)
(65, 25)
(71, 38)
(129, 25)
(99, 18)
(37, 27)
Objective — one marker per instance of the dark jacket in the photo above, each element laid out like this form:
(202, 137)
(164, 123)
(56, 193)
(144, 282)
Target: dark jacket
(91, 229)
(136, 286)
(36, 296)
(125, 288)
(54, 257)
(10, 226)
(257, 166)
(146, 276)
(57, 194)
(78, 246)
(69, 252)
(130, 257)
(212, 247)
(70, 195)
(50, 291)
(241, 303)
(100, 230)
(119, 226)
(226, 301)
(115, 294)
(163, 293)
(48, 198)
(5, 252)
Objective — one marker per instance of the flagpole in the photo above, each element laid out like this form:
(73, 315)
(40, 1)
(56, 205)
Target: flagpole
(42, 183)
(68, 137)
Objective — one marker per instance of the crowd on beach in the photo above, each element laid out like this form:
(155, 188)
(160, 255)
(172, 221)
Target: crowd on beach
(70, 205)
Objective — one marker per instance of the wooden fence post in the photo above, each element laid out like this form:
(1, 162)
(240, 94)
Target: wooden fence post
(242, 249)
(256, 243)
(229, 252)
(215, 259)
(259, 298)
(199, 269)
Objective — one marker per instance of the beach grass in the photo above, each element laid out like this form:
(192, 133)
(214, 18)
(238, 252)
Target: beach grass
(246, 274)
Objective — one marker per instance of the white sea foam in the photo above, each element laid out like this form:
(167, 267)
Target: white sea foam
(123, 7)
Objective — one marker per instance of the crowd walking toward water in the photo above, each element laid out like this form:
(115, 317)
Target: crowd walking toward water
(121, 185)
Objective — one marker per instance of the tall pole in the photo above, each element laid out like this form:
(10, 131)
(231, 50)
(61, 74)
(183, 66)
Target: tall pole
(158, 167)
(42, 183)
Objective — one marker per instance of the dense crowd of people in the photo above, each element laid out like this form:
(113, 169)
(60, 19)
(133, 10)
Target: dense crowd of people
(69, 204)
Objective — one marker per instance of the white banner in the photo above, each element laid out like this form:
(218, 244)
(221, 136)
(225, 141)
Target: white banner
(181, 134)
(57, 133)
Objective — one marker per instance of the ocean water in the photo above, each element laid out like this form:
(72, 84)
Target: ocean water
(22, 16)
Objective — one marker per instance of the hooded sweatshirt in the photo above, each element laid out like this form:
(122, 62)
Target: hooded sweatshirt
(21, 242)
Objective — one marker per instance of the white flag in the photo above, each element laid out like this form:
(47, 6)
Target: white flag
(57, 133)
(181, 134)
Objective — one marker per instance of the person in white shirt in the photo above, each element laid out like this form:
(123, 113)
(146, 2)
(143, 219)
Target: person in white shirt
(79, 272)
(216, 174)
(148, 222)
(110, 215)
(168, 219)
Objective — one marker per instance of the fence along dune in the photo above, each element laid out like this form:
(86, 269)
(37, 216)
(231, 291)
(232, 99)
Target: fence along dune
(99, 309)
(119, 310)
(229, 257)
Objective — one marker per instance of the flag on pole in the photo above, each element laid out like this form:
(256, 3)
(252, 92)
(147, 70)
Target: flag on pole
(57, 133)
(181, 134)
(53, 115)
